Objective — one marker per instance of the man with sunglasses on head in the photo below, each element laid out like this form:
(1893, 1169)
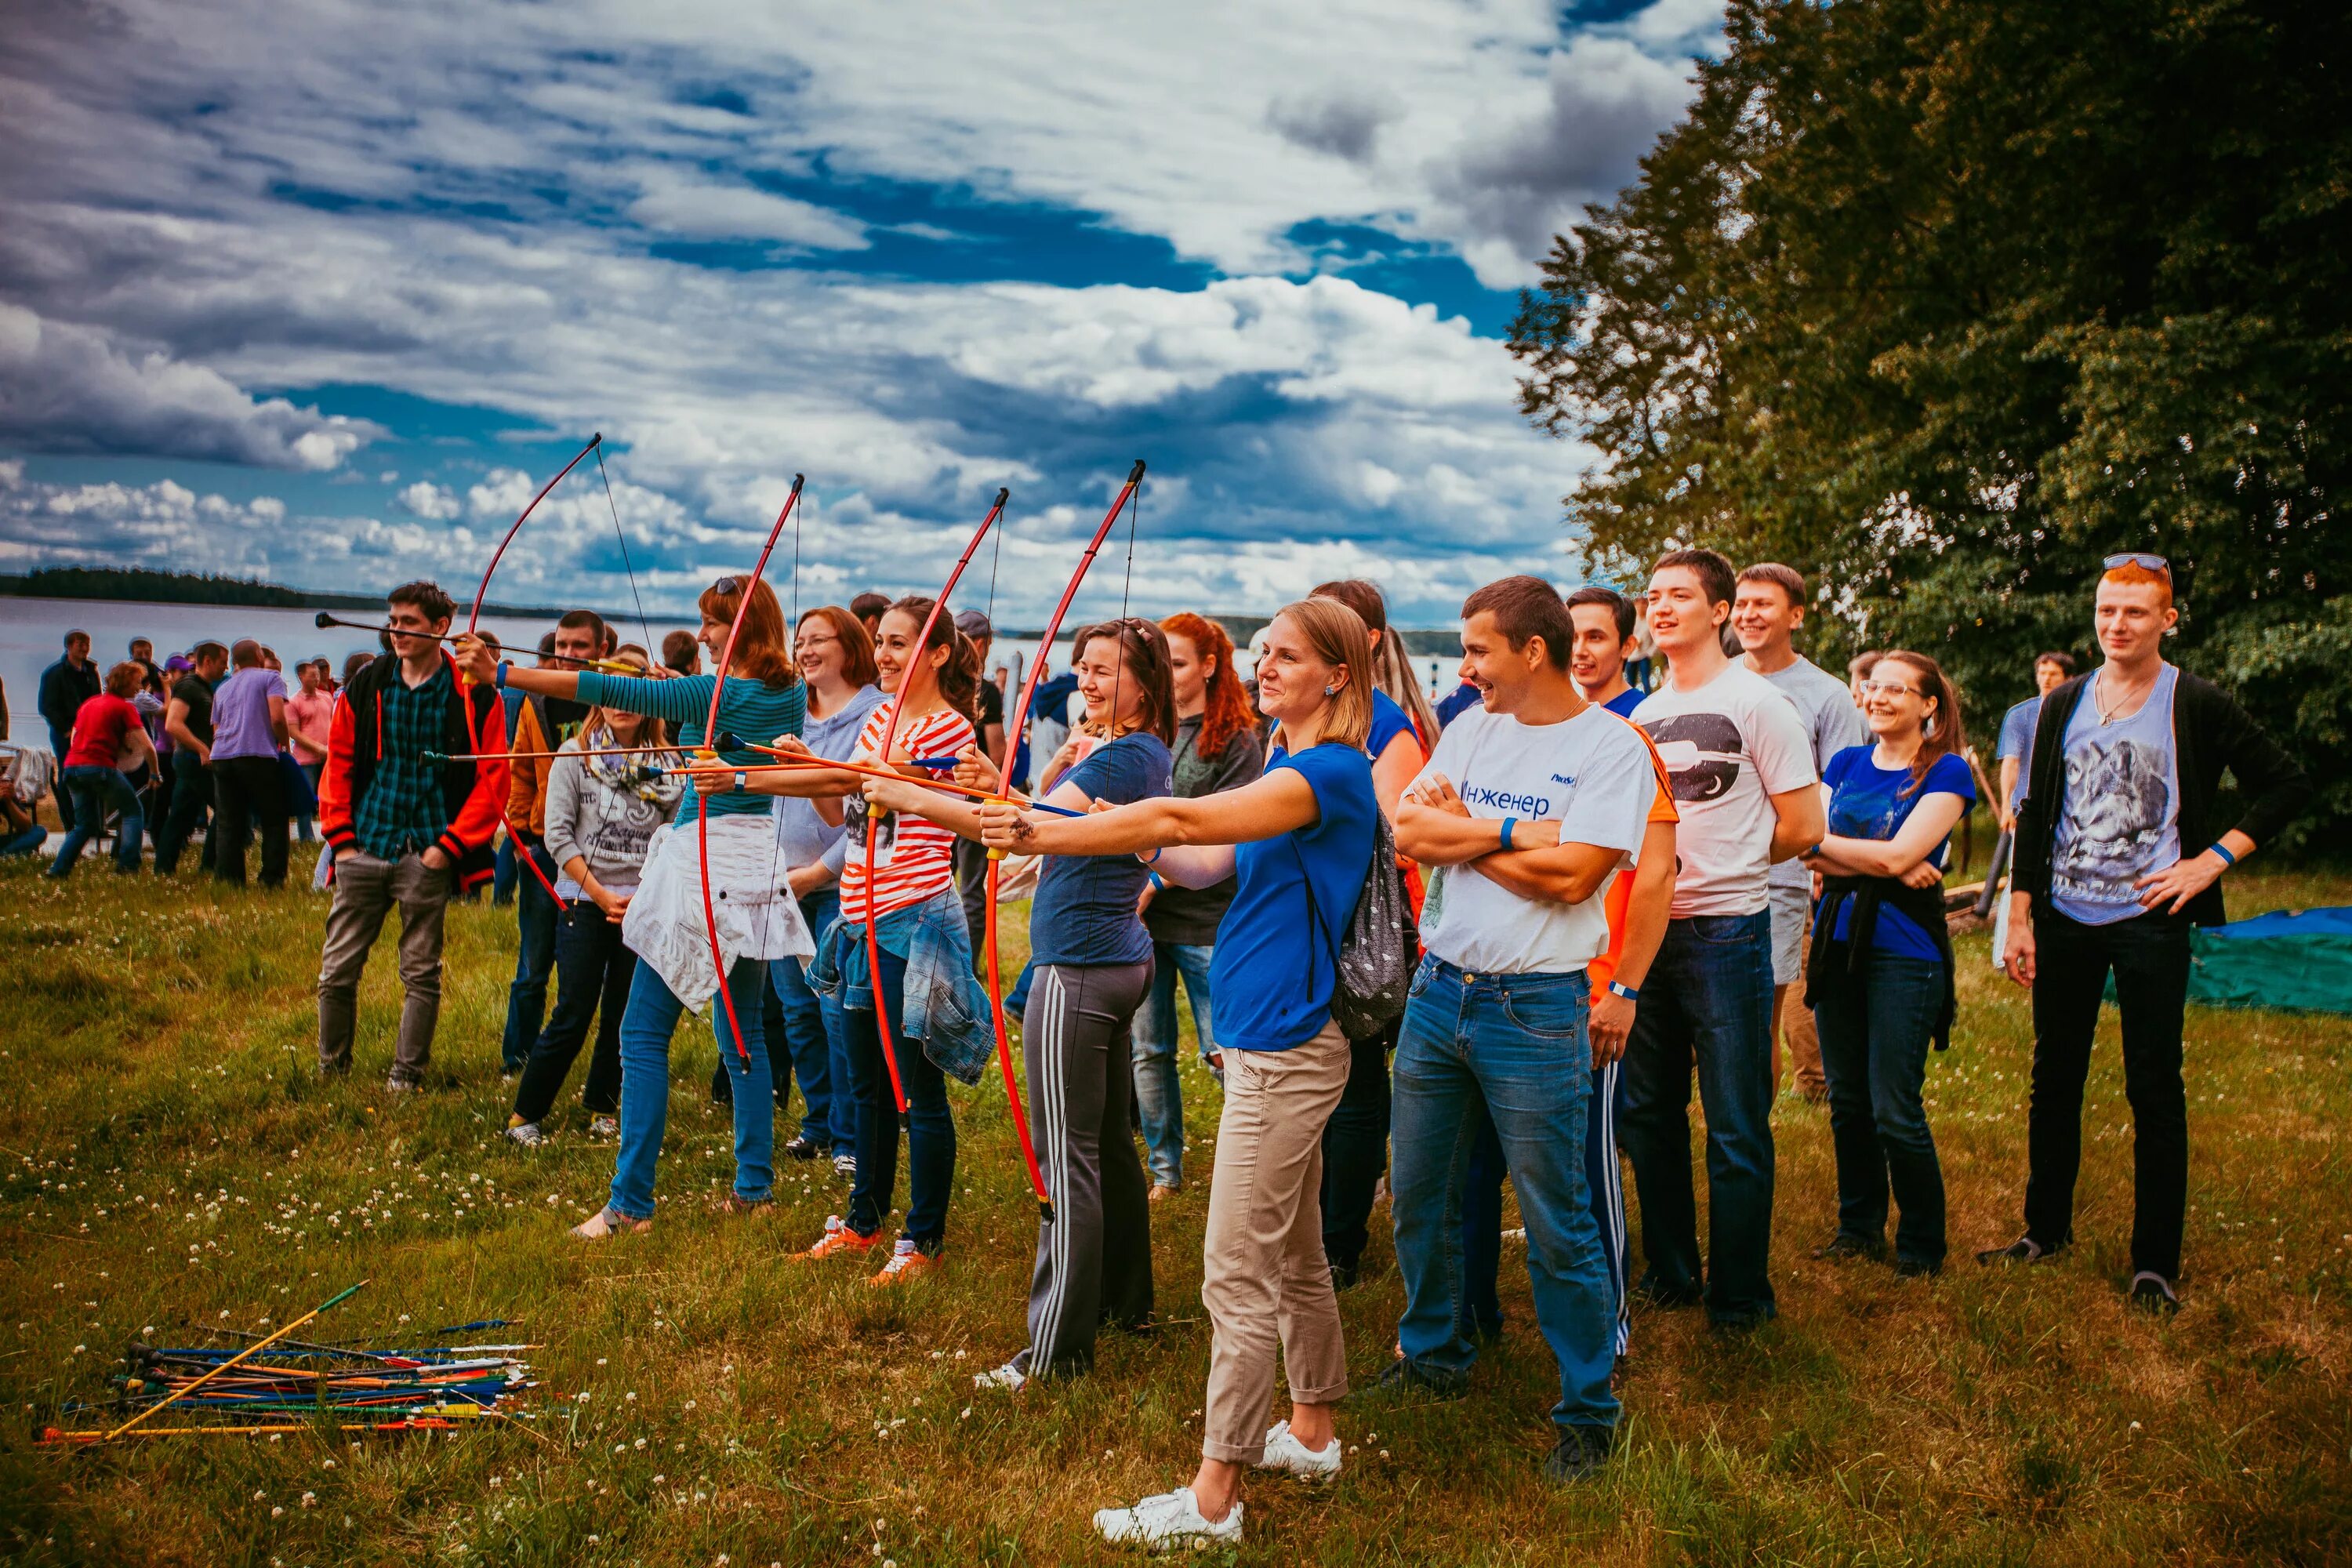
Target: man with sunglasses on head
(2119, 853)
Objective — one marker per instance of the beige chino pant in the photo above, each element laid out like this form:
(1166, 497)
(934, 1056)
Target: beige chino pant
(1265, 1281)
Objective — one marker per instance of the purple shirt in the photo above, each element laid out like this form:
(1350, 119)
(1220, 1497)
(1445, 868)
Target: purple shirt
(241, 714)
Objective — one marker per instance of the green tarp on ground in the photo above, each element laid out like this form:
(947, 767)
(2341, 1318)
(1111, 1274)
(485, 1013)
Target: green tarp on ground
(2300, 960)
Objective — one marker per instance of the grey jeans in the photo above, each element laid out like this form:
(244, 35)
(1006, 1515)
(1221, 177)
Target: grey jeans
(366, 888)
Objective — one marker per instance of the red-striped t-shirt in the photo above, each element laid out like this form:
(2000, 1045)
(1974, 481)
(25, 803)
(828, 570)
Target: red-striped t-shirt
(913, 853)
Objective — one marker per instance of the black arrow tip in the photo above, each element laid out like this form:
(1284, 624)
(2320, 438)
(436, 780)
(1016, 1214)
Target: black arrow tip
(323, 619)
(727, 742)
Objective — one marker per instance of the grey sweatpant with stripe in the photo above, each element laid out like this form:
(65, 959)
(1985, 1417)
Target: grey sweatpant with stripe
(1094, 1262)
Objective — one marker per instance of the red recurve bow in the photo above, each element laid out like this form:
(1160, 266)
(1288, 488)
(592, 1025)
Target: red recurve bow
(473, 620)
(709, 734)
(874, 820)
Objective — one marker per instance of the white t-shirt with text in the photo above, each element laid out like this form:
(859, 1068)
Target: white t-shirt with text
(1590, 774)
(1729, 747)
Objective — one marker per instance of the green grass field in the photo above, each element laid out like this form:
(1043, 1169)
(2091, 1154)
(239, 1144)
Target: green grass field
(168, 1162)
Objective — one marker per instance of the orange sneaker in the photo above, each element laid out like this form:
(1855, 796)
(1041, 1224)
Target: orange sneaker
(839, 1239)
(906, 1264)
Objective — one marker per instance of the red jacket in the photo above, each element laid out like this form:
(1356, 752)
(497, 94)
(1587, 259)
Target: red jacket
(473, 792)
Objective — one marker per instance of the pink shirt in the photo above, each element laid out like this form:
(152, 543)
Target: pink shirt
(311, 714)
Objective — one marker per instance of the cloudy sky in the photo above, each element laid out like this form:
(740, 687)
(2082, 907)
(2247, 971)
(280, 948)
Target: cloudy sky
(319, 292)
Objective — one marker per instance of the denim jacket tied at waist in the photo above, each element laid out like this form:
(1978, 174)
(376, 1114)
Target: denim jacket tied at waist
(946, 1006)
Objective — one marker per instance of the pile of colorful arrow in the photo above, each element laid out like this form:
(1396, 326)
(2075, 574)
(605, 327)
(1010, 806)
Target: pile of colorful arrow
(285, 1384)
(407, 1381)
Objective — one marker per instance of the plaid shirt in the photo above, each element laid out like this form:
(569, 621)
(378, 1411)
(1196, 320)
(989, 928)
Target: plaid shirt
(405, 808)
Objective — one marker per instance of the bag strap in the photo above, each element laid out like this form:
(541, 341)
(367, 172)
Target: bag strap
(1315, 914)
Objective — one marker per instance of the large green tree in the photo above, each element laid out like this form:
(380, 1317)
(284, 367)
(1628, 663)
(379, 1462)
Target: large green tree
(1943, 300)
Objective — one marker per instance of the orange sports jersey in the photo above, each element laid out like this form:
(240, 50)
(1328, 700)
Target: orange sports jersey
(1604, 969)
(914, 861)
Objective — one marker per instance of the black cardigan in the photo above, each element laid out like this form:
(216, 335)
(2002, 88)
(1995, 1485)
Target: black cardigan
(2210, 732)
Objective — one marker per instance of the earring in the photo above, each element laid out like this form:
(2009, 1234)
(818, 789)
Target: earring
(1330, 691)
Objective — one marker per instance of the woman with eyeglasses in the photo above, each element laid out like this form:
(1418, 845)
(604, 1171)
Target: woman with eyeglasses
(937, 1016)
(1300, 843)
(1879, 978)
(663, 924)
(1093, 966)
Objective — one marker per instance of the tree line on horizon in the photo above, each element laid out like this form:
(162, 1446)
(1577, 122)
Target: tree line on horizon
(1942, 302)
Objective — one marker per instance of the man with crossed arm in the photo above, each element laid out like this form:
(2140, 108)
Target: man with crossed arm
(1553, 794)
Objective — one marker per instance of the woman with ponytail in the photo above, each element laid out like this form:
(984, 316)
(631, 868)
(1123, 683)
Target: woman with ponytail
(1216, 749)
(938, 1016)
(1092, 965)
(1879, 978)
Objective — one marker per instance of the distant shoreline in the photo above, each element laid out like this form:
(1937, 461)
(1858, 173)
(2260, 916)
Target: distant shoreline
(140, 586)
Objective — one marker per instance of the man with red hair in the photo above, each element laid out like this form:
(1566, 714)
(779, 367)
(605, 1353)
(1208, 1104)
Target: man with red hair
(2119, 853)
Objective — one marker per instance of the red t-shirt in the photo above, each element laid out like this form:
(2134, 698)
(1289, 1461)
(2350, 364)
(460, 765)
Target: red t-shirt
(99, 730)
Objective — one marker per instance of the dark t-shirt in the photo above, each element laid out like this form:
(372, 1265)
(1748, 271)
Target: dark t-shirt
(991, 710)
(197, 694)
(1188, 917)
(1084, 910)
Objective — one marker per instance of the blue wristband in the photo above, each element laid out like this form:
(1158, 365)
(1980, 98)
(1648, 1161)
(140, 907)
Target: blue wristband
(2227, 860)
(1508, 823)
(1618, 988)
(500, 679)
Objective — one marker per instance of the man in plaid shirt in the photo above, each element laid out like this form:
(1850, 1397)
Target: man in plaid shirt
(404, 831)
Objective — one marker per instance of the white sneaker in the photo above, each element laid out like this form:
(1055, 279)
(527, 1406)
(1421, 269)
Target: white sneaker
(1287, 1454)
(1167, 1521)
(527, 1133)
(1008, 1377)
(603, 1127)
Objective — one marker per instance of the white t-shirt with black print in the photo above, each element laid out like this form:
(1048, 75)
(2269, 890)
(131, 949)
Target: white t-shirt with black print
(1728, 747)
(1590, 774)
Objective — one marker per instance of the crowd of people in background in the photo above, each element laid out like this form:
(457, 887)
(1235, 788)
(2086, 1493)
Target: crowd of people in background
(1645, 844)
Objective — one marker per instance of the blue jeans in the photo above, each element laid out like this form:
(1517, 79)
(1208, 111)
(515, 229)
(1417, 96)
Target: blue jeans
(1482, 1209)
(1016, 1001)
(1160, 1103)
(931, 1126)
(24, 843)
(503, 872)
(1875, 1041)
(1708, 996)
(817, 1037)
(93, 790)
(1518, 1043)
(535, 915)
(647, 1026)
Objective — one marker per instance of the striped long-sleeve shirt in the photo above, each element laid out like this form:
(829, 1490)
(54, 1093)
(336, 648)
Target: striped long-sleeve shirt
(750, 710)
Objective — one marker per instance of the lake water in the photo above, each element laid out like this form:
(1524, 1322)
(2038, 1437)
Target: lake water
(32, 636)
